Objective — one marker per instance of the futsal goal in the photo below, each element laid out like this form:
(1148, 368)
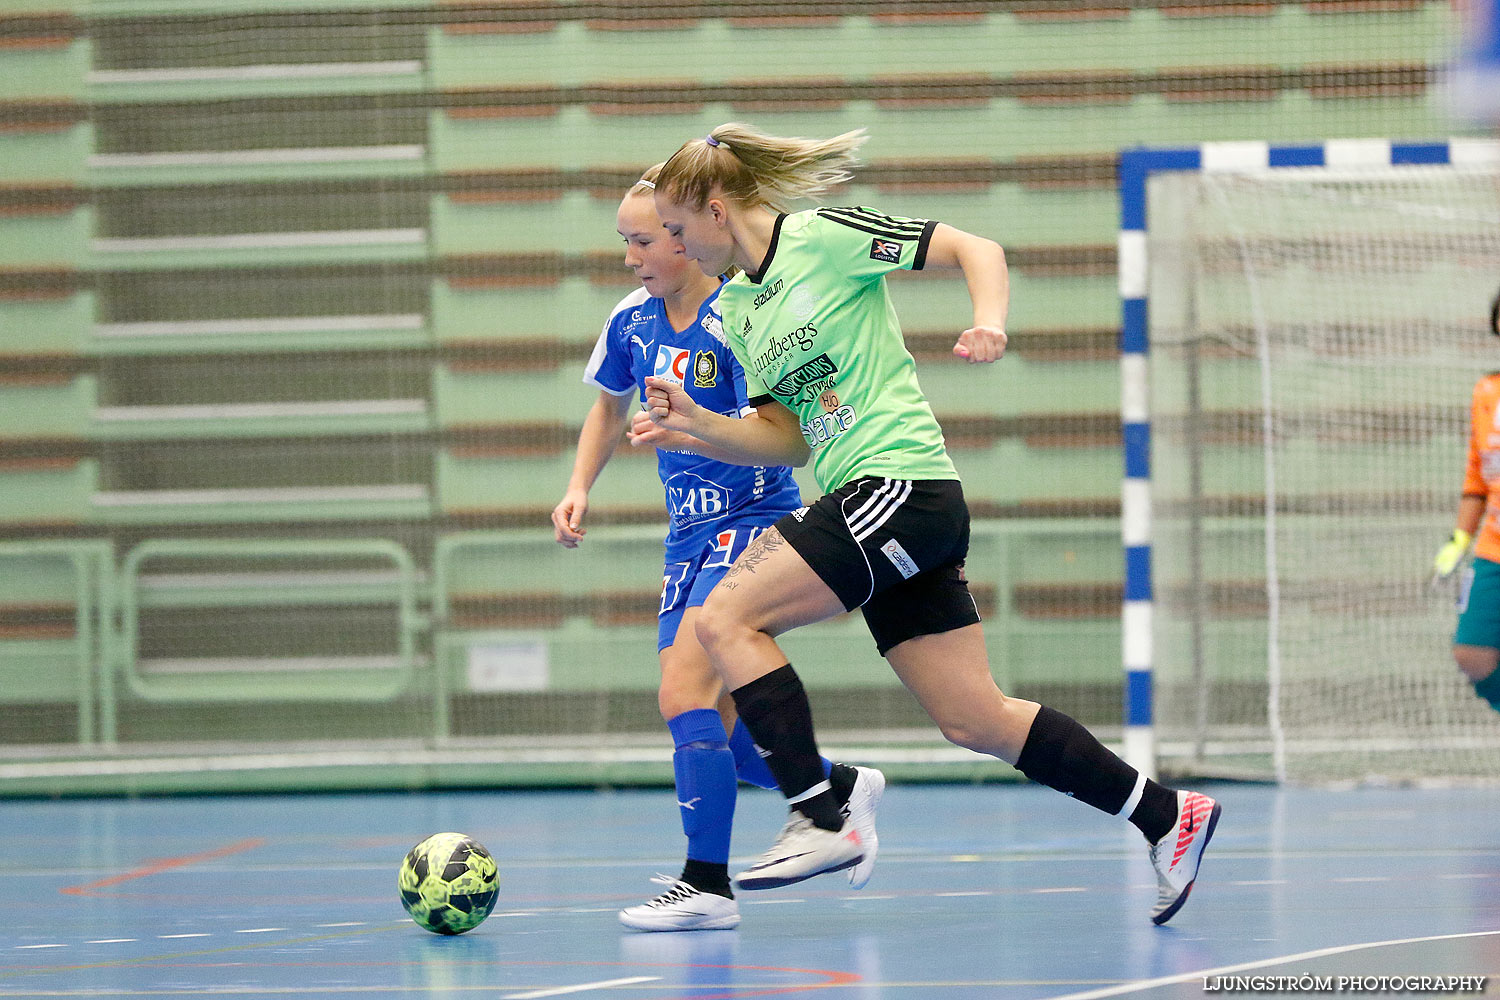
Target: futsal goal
(1303, 329)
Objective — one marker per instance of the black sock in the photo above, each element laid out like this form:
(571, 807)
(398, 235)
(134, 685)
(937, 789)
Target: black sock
(774, 709)
(1063, 755)
(842, 778)
(1157, 812)
(708, 876)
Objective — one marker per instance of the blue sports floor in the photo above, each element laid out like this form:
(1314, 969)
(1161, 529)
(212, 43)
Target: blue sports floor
(981, 891)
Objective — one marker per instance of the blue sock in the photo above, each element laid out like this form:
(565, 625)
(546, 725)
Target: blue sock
(706, 787)
(748, 763)
(1489, 689)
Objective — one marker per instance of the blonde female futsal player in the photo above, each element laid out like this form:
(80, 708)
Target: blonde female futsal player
(670, 328)
(811, 321)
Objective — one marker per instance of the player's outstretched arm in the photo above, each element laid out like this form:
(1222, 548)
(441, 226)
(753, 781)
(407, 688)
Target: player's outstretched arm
(983, 264)
(596, 443)
(773, 438)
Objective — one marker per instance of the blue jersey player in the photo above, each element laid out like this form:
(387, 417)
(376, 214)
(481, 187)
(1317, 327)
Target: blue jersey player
(670, 328)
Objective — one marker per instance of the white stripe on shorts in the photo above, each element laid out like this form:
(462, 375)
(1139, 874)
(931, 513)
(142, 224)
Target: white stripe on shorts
(877, 495)
(864, 527)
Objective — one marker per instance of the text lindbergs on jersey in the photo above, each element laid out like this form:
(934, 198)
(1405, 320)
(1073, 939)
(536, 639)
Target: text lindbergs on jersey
(815, 328)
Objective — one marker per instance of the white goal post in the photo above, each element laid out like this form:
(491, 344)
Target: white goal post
(1302, 328)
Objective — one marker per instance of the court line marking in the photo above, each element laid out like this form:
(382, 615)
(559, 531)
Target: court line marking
(558, 991)
(1226, 970)
(146, 961)
(162, 865)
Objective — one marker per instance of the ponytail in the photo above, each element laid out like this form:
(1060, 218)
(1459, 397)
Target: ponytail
(753, 168)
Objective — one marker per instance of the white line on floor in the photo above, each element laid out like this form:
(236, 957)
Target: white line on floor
(580, 988)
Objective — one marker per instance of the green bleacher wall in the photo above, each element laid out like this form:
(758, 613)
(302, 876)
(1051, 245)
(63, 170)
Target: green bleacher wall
(295, 300)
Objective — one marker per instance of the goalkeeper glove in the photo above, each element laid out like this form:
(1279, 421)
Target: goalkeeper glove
(1451, 554)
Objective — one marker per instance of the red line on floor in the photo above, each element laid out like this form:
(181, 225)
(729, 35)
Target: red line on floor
(162, 865)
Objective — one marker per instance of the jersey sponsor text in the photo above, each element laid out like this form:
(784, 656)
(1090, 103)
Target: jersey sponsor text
(801, 337)
(820, 367)
(825, 427)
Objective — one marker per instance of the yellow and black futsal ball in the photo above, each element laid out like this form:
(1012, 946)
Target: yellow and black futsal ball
(448, 883)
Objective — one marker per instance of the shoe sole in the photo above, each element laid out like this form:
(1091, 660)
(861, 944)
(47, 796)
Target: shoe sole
(747, 881)
(1208, 834)
(859, 875)
(717, 924)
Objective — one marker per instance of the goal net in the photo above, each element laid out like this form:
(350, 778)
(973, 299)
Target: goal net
(1315, 336)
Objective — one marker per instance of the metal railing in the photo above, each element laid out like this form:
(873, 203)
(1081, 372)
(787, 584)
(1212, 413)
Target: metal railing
(109, 604)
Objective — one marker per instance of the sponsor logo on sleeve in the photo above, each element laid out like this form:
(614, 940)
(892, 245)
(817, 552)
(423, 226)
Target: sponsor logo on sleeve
(886, 250)
(714, 326)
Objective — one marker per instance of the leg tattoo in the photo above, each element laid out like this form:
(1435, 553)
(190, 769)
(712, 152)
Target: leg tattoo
(757, 552)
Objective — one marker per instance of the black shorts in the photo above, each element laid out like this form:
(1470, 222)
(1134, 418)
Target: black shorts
(894, 548)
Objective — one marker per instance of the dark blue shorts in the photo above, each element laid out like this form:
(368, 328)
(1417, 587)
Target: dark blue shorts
(686, 584)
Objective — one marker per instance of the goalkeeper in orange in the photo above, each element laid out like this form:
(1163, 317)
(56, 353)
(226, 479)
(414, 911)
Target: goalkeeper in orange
(1476, 643)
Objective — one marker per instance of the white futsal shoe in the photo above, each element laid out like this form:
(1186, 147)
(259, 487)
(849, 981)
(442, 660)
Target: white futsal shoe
(864, 799)
(1178, 855)
(682, 908)
(801, 851)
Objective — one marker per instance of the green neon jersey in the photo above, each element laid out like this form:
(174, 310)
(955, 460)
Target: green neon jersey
(815, 330)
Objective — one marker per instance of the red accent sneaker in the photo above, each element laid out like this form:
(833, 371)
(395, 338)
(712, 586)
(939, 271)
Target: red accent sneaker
(1178, 855)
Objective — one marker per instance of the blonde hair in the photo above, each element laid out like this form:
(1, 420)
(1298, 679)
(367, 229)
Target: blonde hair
(647, 184)
(753, 168)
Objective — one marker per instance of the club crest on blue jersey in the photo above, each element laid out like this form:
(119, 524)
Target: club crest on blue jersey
(671, 363)
(705, 370)
(886, 250)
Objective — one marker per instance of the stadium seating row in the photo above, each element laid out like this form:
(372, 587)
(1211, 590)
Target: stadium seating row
(281, 274)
